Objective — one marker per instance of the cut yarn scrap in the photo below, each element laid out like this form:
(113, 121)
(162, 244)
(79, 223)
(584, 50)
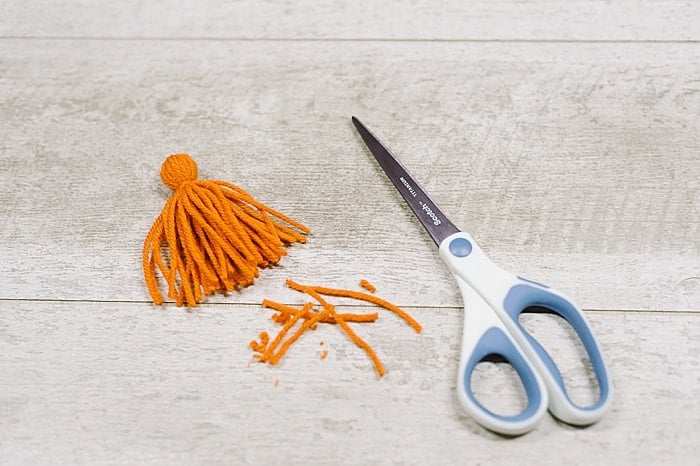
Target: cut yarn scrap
(307, 317)
(215, 235)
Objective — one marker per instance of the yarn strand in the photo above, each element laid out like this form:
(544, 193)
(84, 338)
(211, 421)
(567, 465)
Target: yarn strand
(271, 352)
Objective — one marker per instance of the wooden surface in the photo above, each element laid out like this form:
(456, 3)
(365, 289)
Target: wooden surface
(562, 135)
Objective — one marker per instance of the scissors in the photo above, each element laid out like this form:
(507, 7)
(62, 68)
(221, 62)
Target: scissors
(493, 300)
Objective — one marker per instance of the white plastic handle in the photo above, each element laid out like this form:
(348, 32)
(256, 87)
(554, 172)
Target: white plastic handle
(505, 296)
(485, 335)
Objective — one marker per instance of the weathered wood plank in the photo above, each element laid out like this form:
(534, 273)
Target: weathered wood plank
(574, 164)
(361, 19)
(571, 154)
(125, 383)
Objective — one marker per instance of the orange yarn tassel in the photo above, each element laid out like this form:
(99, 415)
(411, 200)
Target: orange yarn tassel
(217, 236)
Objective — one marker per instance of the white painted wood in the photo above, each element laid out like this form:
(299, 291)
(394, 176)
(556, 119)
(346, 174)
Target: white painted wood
(359, 19)
(562, 135)
(100, 383)
(572, 164)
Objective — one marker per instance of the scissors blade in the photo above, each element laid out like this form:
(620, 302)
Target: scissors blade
(435, 222)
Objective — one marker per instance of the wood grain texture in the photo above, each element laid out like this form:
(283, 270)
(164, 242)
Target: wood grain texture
(361, 19)
(124, 383)
(572, 164)
(561, 134)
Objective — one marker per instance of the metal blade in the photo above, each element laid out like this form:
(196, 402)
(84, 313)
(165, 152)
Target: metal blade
(438, 225)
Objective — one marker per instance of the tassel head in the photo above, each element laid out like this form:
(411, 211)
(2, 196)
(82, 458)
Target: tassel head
(178, 169)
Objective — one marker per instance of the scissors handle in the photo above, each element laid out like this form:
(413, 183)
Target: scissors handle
(504, 296)
(484, 336)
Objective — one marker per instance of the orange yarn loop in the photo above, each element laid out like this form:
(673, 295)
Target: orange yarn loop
(216, 236)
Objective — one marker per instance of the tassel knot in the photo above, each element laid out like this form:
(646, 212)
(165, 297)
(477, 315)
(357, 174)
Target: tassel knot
(178, 169)
(212, 236)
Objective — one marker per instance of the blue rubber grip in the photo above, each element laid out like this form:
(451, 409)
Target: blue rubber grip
(523, 296)
(495, 342)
